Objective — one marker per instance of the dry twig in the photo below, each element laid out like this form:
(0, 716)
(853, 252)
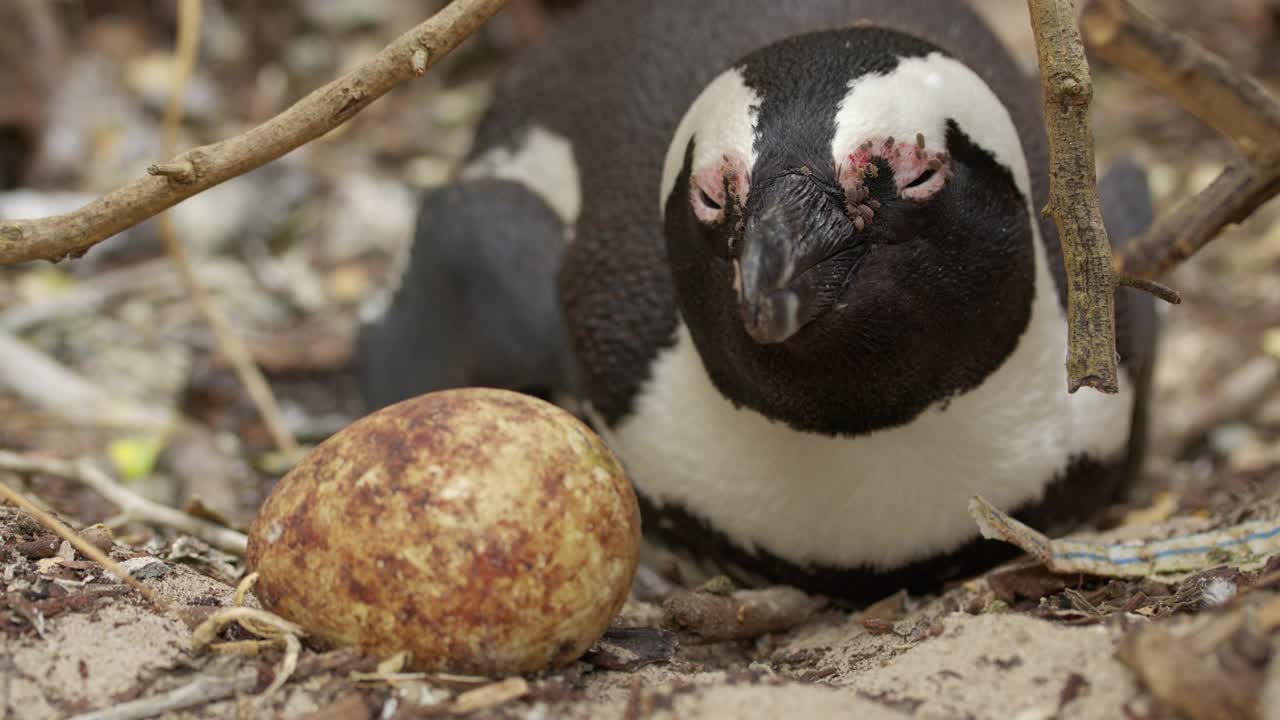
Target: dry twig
(1206, 86)
(1073, 201)
(1073, 197)
(131, 504)
(232, 346)
(275, 631)
(85, 547)
(410, 55)
(1231, 102)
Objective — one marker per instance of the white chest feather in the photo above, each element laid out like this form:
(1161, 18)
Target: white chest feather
(881, 499)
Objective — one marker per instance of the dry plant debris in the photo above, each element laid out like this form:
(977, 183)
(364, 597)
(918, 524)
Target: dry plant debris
(627, 649)
(87, 472)
(1214, 669)
(80, 542)
(211, 688)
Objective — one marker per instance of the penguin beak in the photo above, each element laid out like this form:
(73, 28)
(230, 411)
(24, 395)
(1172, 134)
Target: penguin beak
(771, 310)
(782, 273)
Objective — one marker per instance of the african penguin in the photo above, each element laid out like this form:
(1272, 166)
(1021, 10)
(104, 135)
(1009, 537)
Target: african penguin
(788, 255)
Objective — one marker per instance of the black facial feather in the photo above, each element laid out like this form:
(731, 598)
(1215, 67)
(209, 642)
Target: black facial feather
(801, 82)
(924, 303)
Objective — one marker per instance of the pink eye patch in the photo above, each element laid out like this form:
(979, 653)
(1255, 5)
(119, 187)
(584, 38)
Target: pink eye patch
(715, 187)
(918, 172)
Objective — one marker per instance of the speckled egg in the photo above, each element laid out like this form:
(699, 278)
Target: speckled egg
(483, 531)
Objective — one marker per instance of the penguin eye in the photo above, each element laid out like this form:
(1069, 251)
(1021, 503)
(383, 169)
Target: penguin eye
(717, 187)
(932, 171)
(708, 205)
(924, 177)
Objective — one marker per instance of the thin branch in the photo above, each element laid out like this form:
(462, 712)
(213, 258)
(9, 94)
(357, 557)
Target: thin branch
(1206, 86)
(1241, 189)
(229, 341)
(1163, 292)
(188, 42)
(85, 547)
(232, 345)
(71, 235)
(1073, 197)
(132, 504)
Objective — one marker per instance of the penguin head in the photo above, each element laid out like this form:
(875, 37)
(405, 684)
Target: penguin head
(848, 225)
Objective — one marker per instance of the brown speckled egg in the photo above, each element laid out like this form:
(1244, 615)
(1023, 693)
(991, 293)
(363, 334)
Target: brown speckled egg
(483, 531)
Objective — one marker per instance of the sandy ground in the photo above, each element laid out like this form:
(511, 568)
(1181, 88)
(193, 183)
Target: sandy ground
(1018, 643)
(934, 662)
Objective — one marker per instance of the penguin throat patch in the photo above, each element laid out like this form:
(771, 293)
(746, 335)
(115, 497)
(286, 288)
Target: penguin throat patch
(918, 173)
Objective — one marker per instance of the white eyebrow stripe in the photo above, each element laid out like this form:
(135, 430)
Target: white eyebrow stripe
(723, 118)
(919, 96)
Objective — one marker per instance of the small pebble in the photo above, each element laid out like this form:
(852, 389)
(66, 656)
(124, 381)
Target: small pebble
(143, 568)
(99, 536)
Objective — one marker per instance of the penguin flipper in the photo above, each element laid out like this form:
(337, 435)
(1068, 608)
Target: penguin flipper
(1125, 199)
(476, 305)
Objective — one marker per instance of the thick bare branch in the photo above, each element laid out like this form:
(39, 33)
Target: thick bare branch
(1229, 101)
(1206, 86)
(1073, 197)
(1240, 190)
(71, 235)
